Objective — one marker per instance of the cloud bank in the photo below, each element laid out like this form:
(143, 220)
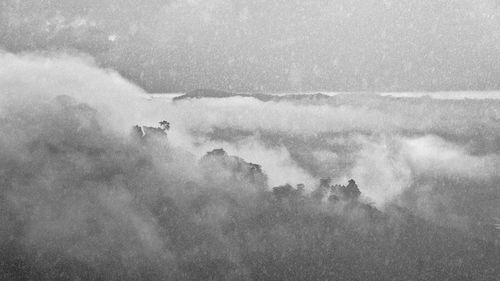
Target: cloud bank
(84, 198)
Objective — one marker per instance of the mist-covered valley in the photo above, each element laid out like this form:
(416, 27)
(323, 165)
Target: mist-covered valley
(239, 187)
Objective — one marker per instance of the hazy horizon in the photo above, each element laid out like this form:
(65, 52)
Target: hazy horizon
(435, 95)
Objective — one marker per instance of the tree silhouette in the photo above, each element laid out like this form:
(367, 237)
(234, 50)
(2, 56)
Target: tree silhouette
(165, 125)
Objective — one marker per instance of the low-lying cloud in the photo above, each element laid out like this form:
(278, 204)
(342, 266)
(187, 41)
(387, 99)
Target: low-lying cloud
(82, 196)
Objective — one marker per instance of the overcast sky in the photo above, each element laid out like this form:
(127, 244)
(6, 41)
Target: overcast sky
(271, 45)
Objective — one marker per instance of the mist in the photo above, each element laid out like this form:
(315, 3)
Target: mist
(85, 196)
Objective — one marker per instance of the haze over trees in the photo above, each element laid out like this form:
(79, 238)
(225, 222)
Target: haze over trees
(234, 186)
(125, 209)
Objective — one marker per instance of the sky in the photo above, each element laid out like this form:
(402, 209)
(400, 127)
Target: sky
(278, 46)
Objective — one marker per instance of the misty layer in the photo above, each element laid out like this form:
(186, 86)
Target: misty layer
(84, 196)
(436, 154)
(457, 120)
(80, 202)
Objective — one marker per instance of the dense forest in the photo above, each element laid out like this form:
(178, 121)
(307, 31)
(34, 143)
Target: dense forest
(78, 202)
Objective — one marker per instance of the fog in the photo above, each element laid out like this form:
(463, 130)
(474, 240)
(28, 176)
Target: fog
(307, 140)
(84, 196)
